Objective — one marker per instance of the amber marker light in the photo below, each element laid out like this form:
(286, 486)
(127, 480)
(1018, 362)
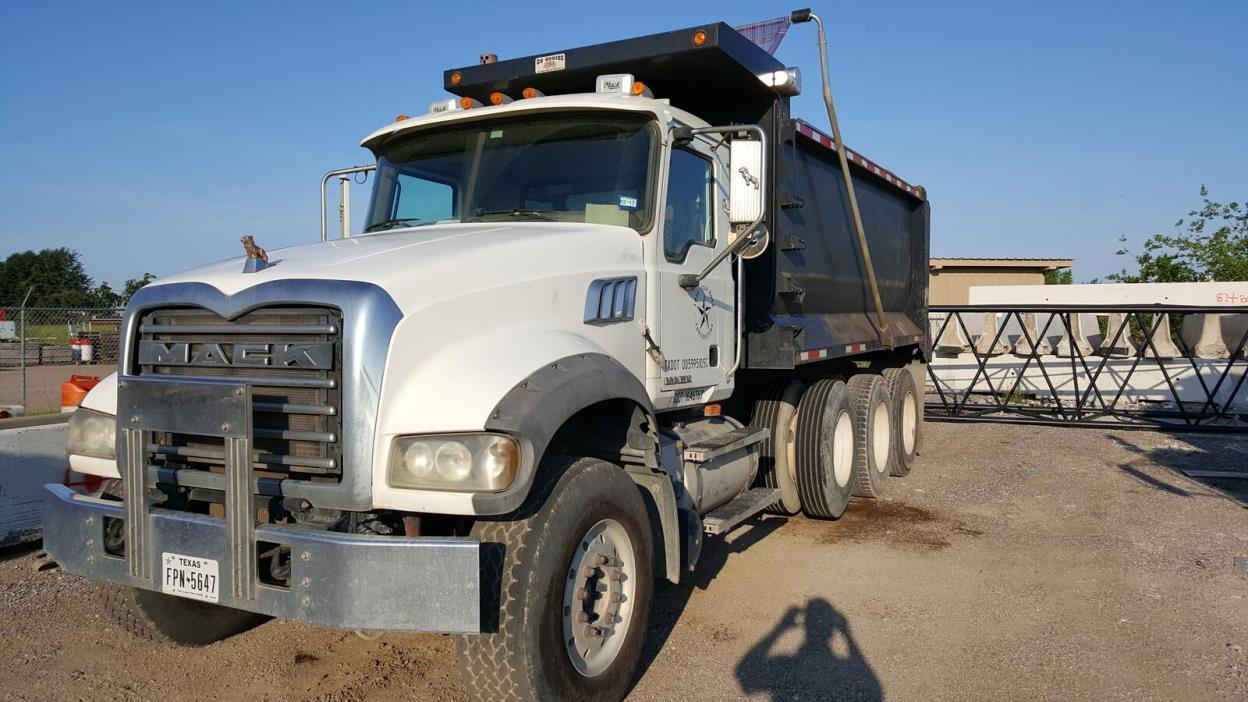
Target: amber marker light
(467, 103)
(699, 38)
(639, 89)
(456, 77)
(529, 93)
(400, 118)
(497, 98)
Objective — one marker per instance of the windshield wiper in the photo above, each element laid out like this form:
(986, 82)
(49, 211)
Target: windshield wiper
(540, 214)
(390, 223)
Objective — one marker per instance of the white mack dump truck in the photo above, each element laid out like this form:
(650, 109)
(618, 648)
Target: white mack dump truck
(609, 301)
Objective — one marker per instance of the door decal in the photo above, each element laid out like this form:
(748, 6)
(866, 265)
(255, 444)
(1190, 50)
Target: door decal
(704, 303)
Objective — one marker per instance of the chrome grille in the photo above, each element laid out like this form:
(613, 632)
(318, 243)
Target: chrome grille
(297, 427)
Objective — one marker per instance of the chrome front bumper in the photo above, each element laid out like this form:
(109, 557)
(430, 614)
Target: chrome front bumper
(344, 581)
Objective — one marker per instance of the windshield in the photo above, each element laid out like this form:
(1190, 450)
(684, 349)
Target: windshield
(588, 167)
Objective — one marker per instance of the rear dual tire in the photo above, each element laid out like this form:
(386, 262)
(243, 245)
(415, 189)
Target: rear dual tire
(825, 449)
(873, 434)
(907, 410)
(776, 410)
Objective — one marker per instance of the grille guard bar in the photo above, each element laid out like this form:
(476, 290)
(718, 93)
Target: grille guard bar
(201, 407)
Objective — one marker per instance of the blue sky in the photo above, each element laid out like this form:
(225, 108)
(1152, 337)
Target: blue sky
(150, 136)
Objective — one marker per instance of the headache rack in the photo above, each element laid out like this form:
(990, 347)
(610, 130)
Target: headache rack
(290, 356)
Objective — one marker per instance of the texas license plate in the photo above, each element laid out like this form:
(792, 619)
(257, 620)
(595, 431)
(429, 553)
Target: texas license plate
(190, 576)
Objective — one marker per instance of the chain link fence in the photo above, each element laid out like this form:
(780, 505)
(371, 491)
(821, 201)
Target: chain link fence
(42, 347)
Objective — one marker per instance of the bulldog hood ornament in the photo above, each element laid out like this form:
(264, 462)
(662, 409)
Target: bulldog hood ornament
(257, 258)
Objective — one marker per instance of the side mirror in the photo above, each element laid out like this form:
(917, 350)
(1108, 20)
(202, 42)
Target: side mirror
(745, 198)
(745, 191)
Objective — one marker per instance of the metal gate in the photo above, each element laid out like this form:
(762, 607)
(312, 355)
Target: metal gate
(1130, 371)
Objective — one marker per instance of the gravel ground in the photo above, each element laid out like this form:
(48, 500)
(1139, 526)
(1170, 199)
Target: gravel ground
(1014, 563)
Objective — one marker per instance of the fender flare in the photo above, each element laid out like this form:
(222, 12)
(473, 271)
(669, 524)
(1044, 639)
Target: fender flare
(536, 407)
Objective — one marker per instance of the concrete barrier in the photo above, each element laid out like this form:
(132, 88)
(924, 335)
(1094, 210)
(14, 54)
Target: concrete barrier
(1023, 347)
(1074, 341)
(29, 457)
(951, 340)
(984, 345)
(1203, 335)
(1163, 343)
(1117, 341)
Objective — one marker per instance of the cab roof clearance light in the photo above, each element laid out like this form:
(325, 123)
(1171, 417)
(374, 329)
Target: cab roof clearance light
(497, 98)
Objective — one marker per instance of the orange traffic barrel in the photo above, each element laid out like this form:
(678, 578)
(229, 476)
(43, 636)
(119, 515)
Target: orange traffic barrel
(75, 389)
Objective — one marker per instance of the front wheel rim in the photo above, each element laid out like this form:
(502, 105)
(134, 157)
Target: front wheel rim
(599, 597)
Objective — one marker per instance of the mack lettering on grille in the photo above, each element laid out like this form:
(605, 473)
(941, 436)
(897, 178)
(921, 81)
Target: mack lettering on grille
(316, 355)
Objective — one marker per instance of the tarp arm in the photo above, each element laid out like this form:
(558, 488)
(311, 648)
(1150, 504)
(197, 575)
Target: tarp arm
(798, 17)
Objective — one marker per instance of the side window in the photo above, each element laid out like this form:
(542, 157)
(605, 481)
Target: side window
(423, 200)
(687, 214)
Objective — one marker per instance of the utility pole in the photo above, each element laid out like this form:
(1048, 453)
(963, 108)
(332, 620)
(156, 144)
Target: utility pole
(21, 315)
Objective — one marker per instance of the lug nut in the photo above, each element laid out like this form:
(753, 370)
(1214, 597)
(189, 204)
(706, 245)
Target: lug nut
(582, 594)
(615, 576)
(581, 617)
(617, 597)
(589, 571)
(601, 560)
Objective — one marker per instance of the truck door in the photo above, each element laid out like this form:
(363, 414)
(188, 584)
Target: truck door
(696, 329)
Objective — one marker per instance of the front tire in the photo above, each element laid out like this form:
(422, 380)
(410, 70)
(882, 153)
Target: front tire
(166, 619)
(573, 575)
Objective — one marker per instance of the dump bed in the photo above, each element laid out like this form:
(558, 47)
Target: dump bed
(808, 296)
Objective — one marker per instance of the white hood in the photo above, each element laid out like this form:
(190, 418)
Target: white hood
(422, 265)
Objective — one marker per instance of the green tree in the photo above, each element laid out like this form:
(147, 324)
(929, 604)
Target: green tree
(1059, 277)
(132, 286)
(1212, 246)
(105, 296)
(55, 277)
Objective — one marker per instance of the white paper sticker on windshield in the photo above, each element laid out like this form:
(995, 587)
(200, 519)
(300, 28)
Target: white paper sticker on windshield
(546, 64)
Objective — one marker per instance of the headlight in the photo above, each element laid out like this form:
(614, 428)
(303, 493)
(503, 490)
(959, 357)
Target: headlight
(92, 433)
(461, 462)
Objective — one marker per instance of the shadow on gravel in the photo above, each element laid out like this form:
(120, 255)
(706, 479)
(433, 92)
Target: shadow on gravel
(1193, 452)
(670, 600)
(827, 665)
(15, 551)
